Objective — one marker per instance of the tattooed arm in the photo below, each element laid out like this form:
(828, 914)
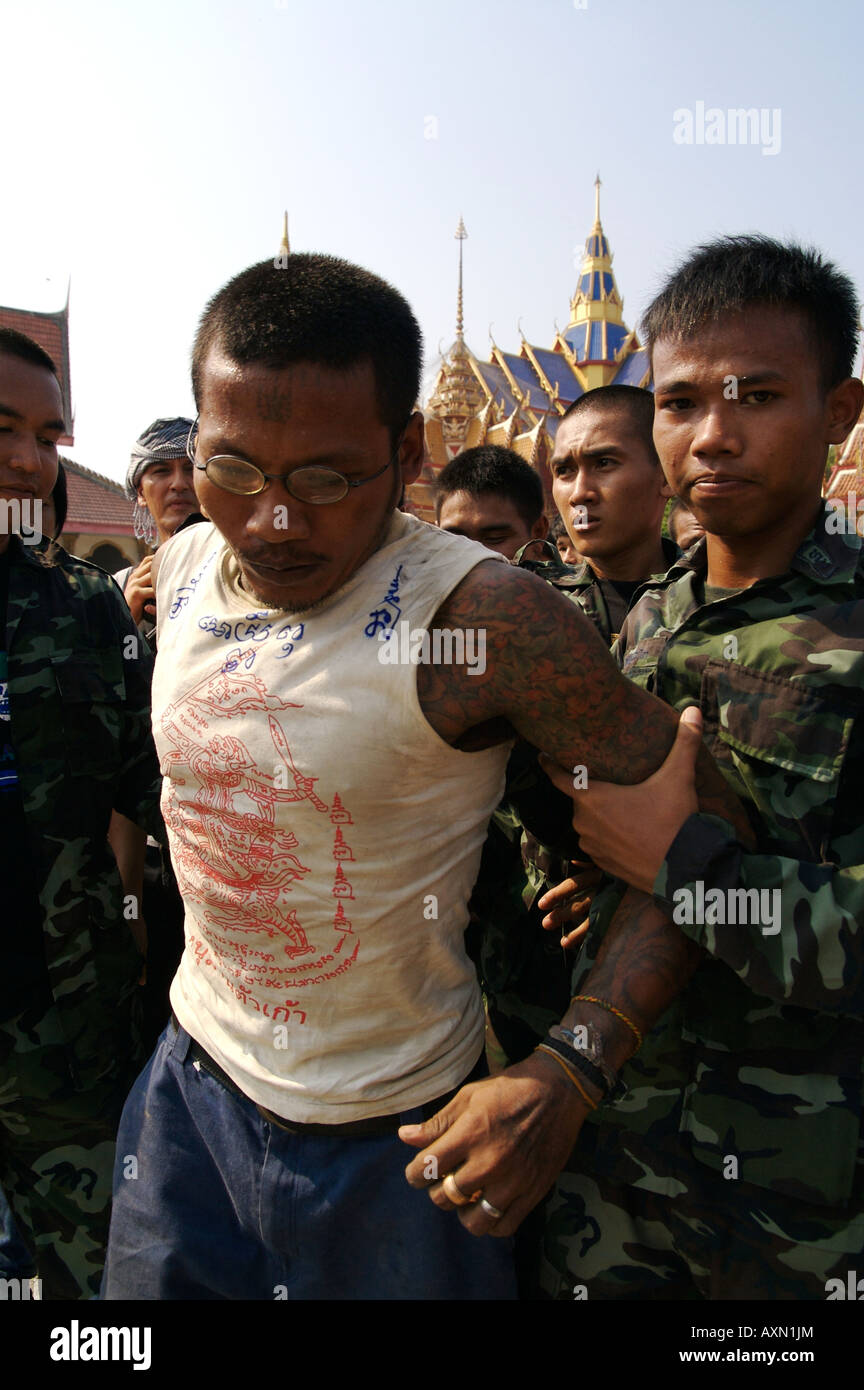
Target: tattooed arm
(550, 678)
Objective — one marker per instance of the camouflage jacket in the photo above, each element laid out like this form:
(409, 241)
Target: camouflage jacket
(580, 582)
(79, 700)
(760, 1058)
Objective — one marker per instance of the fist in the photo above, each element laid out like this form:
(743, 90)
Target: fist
(139, 592)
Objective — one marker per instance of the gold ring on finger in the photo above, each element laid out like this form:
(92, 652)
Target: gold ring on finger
(454, 1192)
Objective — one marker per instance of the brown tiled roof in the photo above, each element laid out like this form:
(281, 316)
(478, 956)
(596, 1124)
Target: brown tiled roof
(51, 332)
(96, 504)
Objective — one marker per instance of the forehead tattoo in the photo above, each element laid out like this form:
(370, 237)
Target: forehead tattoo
(273, 402)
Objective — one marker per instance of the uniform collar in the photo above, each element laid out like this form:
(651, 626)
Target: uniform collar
(823, 557)
(548, 562)
(19, 553)
(671, 555)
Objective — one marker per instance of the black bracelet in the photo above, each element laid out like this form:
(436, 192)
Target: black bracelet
(580, 1062)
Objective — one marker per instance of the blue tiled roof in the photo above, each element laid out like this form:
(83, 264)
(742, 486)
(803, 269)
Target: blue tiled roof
(586, 340)
(498, 385)
(632, 369)
(557, 371)
(527, 378)
(595, 283)
(577, 336)
(596, 246)
(615, 335)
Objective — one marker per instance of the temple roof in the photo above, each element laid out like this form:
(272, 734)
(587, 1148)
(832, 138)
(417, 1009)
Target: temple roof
(597, 341)
(517, 397)
(635, 370)
(844, 480)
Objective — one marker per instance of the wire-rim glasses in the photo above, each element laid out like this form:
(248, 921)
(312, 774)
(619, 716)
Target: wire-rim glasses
(314, 484)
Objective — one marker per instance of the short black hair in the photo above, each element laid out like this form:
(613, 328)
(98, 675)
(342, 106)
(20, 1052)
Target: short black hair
(638, 403)
(60, 497)
(492, 468)
(737, 272)
(557, 529)
(313, 308)
(15, 344)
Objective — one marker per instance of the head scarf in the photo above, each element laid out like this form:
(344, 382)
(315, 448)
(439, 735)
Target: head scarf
(164, 439)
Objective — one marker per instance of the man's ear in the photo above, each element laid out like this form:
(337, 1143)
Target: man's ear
(540, 529)
(843, 407)
(411, 450)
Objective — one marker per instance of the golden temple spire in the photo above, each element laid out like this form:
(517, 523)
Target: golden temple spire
(461, 235)
(596, 334)
(285, 245)
(596, 298)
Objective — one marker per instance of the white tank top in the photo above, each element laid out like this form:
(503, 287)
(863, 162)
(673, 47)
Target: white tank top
(325, 838)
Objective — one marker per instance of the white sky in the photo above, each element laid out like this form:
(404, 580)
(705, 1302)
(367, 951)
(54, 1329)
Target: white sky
(149, 149)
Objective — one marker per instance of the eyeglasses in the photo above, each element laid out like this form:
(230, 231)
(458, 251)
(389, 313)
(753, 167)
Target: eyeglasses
(313, 484)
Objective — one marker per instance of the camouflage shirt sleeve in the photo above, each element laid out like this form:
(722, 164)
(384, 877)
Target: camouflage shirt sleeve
(807, 947)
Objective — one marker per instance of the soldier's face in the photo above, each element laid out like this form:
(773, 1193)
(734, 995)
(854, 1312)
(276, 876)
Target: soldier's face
(31, 422)
(742, 422)
(492, 520)
(606, 484)
(293, 554)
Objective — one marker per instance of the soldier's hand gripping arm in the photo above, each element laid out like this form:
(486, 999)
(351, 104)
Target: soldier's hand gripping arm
(797, 935)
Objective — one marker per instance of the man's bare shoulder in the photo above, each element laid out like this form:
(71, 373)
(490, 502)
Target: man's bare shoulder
(499, 593)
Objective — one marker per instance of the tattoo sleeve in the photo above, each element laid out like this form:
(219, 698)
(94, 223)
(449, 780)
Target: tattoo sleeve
(550, 678)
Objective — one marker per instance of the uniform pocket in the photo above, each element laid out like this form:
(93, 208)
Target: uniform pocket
(782, 745)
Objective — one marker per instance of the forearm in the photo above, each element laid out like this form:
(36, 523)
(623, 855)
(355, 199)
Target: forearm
(643, 964)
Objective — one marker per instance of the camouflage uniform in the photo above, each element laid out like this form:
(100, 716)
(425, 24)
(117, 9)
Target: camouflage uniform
(524, 973)
(732, 1167)
(579, 583)
(79, 704)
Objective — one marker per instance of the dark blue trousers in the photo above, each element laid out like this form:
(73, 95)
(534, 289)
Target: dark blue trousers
(211, 1201)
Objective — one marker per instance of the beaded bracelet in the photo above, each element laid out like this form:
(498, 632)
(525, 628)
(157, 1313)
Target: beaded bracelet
(604, 1004)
